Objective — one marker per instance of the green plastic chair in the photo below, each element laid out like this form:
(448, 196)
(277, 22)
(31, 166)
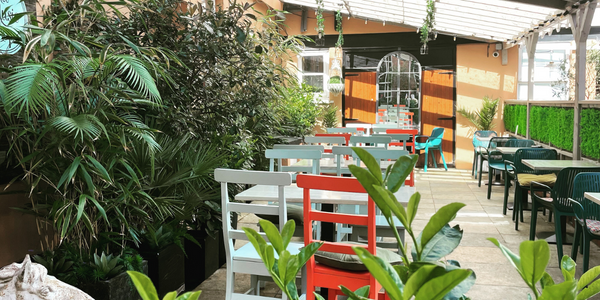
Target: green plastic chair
(434, 142)
(519, 168)
(587, 214)
(477, 144)
(484, 153)
(496, 162)
(558, 202)
(516, 143)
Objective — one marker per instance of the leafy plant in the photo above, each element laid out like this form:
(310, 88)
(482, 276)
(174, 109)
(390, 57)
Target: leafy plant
(483, 119)
(106, 266)
(532, 263)
(58, 265)
(282, 270)
(338, 28)
(147, 291)
(425, 276)
(515, 115)
(428, 23)
(165, 235)
(320, 20)
(300, 109)
(330, 116)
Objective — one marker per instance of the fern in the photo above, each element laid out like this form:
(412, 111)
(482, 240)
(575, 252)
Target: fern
(483, 119)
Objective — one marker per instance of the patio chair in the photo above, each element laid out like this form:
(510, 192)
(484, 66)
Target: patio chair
(524, 176)
(245, 259)
(374, 140)
(319, 274)
(484, 152)
(434, 142)
(496, 164)
(508, 176)
(587, 215)
(410, 144)
(328, 141)
(351, 130)
(345, 135)
(477, 144)
(558, 202)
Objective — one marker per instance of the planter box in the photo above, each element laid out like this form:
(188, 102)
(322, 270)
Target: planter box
(202, 262)
(117, 288)
(166, 269)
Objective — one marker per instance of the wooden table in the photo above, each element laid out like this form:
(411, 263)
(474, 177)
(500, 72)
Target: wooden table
(294, 194)
(557, 165)
(594, 197)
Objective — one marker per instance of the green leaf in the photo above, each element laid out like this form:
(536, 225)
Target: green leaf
(567, 267)
(319, 297)
(442, 244)
(413, 206)
(307, 252)
(563, 291)
(170, 296)
(100, 168)
(144, 285)
(360, 294)
(367, 180)
(190, 296)
(589, 291)
(68, 174)
(417, 280)
(442, 217)
(371, 163)
(438, 287)
(273, 235)
(382, 271)
(80, 207)
(588, 277)
(401, 169)
(535, 256)
(514, 259)
(546, 280)
(282, 264)
(288, 232)
(461, 289)
(393, 204)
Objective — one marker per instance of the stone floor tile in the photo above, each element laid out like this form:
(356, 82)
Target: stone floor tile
(497, 292)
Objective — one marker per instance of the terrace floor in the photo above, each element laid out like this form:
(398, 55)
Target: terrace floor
(480, 219)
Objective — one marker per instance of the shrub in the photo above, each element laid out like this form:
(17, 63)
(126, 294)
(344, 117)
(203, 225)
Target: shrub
(300, 110)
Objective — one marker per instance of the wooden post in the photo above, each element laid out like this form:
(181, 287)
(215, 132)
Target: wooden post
(581, 21)
(531, 45)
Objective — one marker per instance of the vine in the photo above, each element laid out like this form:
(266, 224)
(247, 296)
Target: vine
(320, 20)
(338, 27)
(428, 23)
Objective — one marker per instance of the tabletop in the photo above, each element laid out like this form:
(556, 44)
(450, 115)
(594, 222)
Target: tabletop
(594, 197)
(557, 165)
(294, 194)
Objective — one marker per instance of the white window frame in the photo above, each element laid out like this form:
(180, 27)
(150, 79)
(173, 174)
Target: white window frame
(522, 78)
(325, 54)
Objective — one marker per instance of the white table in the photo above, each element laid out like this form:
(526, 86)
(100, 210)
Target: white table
(294, 194)
(594, 197)
(557, 165)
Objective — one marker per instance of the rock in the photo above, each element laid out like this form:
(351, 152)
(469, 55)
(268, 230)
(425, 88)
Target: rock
(30, 281)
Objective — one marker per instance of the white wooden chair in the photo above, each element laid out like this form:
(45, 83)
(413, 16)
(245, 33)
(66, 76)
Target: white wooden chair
(352, 130)
(325, 140)
(299, 147)
(375, 140)
(245, 259)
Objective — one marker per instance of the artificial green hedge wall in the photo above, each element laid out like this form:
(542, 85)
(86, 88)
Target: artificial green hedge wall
(515, 115)
(554, 126)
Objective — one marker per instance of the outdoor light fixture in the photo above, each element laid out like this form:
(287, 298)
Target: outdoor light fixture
(366, 20)
(383, 22)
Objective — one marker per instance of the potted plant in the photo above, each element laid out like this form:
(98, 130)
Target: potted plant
(335, 85)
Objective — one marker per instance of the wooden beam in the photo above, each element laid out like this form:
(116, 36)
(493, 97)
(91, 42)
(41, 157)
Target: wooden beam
(558, 4)
(531, 45)
(581, 21)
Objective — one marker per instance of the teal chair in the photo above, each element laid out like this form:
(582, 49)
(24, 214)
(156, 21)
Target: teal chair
(524, 176)
(587, 214)
(434, 142)
(476, 147)
(496, 164)
(484, 153)
(558, 202)
(508, 176)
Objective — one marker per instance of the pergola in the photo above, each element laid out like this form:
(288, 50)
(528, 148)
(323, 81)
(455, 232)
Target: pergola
(510, 22)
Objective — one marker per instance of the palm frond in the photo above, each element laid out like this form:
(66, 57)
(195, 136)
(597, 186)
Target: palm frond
(81, 126)
(137, 76)
(31, 88)
(482, 119)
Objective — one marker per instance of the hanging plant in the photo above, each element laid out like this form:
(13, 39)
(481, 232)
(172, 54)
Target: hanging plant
(336, 81)
(427, 30)
(320, 23)
(338, 27)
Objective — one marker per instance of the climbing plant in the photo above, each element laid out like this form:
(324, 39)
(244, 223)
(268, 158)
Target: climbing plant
(338, 27)
(320, 20)
(428, 25)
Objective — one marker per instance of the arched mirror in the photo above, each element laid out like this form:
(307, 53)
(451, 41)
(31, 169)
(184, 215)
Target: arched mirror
(399, 90)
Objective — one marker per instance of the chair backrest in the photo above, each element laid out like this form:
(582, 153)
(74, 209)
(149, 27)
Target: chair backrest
(532, 153)
(328, 140)
(382, 154)
(499, 141)
(564, 187)
(586, 182)
(280, 154)
(375, 139)
(352, 130)
(345, 135)
(482, 133)
(299, 147)
(519, 143)
(435, 139)
(228, 176)
(336, 184)
(398, 139)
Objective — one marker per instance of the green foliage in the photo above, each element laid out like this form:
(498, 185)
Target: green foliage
(147, 291)
(552, 125)
(425, 276)
(483, 119)
(515, 115)
(106, 266)
(338, 28)
(428, 23)
(590, 132)
(320, 20)
(300, 109)
(282, 270)
(57, 264)
(532, 263)
(330, 116)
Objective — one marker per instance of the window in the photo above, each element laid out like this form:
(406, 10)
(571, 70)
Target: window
(547, 75)
(313, 66)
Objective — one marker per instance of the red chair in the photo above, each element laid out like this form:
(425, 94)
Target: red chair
(318, 275)
(411, 144)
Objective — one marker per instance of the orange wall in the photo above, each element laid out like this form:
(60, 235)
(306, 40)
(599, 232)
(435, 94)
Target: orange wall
(478, 75)
(349, 26)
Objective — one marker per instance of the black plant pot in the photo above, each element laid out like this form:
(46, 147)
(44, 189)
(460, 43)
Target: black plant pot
(166, 269)
(116, 288)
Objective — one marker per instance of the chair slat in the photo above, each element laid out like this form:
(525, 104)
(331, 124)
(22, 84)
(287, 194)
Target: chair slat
(254, 208)
(340, 248)
(339, 218)
(293, 154)
(338, 140)
(237, 234)
(299, 147)
(253, 177)
(338, 184)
